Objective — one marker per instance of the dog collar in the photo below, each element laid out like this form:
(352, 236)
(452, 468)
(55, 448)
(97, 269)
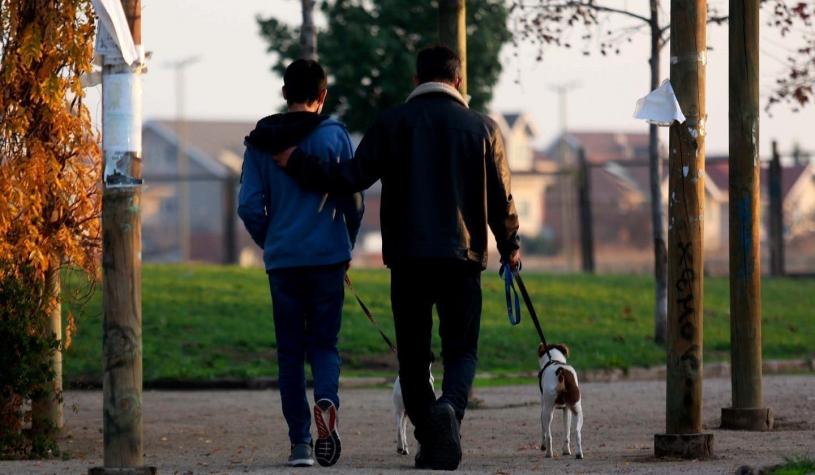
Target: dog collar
(540, 373)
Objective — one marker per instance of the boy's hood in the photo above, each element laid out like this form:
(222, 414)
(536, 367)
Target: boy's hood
(278, 132)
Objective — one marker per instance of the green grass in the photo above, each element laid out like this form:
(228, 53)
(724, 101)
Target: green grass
(795, 466)
(204, 322)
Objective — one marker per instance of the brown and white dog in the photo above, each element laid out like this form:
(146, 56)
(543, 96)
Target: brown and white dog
(558, 385)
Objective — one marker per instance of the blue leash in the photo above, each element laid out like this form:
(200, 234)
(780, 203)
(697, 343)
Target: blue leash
(513, 313)
(510, 277)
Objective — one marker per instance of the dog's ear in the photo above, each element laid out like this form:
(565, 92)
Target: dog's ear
(541, 350)
(562, 348)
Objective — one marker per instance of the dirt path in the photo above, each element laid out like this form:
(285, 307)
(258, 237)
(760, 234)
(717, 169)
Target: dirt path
(244, 432)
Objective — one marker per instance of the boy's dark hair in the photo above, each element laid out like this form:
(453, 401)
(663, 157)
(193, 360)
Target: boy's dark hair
(438, 63)
(304, 80)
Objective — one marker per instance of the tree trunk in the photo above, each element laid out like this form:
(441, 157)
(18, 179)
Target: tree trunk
(308, 34)
(46, 412)
(453, 33)
(655, 173)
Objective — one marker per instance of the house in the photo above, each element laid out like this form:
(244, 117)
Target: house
(214, 156)
(797, 191)
(530, 177)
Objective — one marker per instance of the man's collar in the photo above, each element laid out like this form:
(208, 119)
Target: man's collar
(435, 87)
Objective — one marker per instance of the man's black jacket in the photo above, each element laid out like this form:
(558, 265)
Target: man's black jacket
(445, 178)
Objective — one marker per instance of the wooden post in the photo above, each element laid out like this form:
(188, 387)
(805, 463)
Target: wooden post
(230, 210)
(584, 201)
(684, 437)
(308, 33)
(121, 261)
(453, 33)
(776, 215)
(747, 412)
(655, 188)
(47, 411)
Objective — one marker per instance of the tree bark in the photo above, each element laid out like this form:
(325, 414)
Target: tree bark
(655, 174)
(308, 33)
(453, 33)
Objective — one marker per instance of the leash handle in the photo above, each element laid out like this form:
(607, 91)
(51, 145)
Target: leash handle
(509, 288)
(369, 314)
(529, 305)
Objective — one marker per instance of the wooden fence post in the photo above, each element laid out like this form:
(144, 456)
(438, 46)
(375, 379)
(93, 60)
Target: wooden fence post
(776, 215)
(584, 209)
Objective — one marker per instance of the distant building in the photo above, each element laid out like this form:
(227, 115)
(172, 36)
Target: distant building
(214, 151)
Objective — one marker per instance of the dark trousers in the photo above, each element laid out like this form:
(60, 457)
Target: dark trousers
(455, 289)
(307, 304)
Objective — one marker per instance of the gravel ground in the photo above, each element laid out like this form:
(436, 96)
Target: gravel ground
(244, 432)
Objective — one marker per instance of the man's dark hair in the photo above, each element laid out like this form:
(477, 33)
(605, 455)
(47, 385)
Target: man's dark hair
(438, 63)
(304, 80)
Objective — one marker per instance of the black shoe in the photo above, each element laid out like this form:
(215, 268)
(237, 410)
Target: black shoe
(423, 461)
(445, 448)
(327, 449)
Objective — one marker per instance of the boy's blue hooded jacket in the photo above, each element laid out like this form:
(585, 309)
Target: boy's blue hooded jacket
(297, 228)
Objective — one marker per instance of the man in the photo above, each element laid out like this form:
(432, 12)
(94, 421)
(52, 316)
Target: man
(445, 178)
(307, 240)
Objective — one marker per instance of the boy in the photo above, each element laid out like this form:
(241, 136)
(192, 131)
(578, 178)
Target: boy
(307, 239)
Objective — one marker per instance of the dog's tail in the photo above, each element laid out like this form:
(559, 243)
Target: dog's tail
(568, 391)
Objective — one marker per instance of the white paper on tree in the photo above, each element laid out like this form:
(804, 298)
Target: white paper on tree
(660, 107)
(114, 31)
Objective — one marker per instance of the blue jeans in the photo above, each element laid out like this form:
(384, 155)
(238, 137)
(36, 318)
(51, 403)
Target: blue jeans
(307, 305)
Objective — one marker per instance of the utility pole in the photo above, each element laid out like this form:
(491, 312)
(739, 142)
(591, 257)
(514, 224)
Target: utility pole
(453, 33)
(181, 157)
(655, 182)
(683, 436)
(776, 215)
(747, 412)
(121, 260)
(584, 201)
(308, 33)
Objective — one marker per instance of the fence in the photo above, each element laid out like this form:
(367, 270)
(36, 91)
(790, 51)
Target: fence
(597, 217)
(591, 217)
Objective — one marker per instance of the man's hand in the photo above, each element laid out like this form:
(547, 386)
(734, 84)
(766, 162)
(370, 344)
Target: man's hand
(282, 158)
(514, 260)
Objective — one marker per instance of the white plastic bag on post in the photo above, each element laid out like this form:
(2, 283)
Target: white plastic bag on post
(660, 107)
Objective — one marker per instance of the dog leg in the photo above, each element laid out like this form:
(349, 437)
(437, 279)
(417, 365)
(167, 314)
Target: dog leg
(401, 436)
(578, 430)
(567, 425)
(547, 412)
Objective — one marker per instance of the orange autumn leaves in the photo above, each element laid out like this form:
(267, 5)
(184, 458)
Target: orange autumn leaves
(50, 195)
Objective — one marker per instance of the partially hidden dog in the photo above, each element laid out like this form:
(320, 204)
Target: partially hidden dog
(401, 415)
(559, 390)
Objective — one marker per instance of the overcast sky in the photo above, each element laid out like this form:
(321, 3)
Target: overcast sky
(233, 81)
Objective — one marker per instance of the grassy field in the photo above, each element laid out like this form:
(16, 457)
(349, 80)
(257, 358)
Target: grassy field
(205, 322)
